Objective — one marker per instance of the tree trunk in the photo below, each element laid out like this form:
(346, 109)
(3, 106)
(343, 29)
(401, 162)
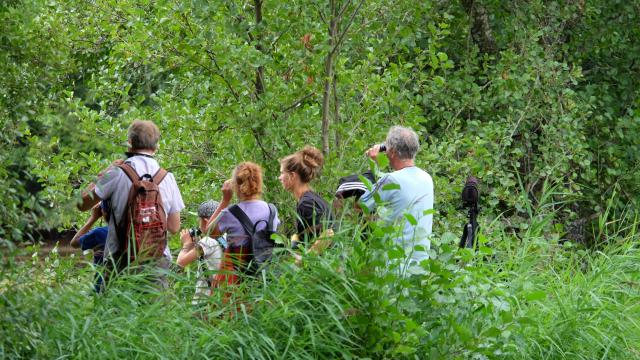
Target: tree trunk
(336, 38)
(336, 108)
(328, 77)
(480, 28)
(260, 69)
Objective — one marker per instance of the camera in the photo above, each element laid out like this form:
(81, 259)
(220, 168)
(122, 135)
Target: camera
(193, 232)
(383, 147)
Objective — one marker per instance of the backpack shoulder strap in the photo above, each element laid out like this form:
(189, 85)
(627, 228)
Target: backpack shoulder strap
(135, 181)
(243, 218)
(121, 226)
(272, 216)
(130, 172)
(159, 176)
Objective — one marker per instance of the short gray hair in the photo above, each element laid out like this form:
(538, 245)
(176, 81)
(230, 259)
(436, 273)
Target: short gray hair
(403, 141)
(207, 208)
(143, 134)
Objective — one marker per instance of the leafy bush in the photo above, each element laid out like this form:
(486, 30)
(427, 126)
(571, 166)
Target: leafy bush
(534, 300)
(549, 104)
(545, 112)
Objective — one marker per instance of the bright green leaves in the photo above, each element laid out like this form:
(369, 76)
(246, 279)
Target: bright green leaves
(535, 295)
(383, 160)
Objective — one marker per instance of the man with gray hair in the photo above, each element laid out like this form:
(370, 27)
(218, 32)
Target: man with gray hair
(405, 196)
(114, 185)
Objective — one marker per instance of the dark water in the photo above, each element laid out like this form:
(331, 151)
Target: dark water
(46, 241)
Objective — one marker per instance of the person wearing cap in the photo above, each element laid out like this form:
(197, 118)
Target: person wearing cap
(208, 250)
(405, 196)
(94, 239)
(352, 185)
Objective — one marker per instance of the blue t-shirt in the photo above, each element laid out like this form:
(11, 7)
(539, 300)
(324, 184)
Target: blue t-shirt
(95, 239)
(408, 191)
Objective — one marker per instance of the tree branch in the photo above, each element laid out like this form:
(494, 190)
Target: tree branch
(344, 8)
(346, 28)
(324, 20)
(211, 56)
(297, 103)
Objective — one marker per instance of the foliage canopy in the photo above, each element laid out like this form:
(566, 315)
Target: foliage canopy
(538, 99)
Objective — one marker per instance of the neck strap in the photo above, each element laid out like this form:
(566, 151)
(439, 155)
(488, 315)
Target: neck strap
(132, 154)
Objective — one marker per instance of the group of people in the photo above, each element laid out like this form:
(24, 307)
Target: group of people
(403, 197)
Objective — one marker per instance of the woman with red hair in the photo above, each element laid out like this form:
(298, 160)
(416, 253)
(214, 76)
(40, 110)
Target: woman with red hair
(246, 183)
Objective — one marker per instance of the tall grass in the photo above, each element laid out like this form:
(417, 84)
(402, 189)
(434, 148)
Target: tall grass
(527, 297)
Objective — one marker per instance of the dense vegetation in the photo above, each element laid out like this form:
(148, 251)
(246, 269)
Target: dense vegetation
(538, 99)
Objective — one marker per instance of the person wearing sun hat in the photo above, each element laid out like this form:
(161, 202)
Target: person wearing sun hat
(209, 251)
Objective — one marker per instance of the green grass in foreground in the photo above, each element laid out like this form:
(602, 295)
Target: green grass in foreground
(536, 299)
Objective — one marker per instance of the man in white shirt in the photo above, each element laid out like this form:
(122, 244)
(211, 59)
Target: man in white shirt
(406, 195)
(114, 185)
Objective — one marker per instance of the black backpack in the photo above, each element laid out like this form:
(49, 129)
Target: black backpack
(261, 243)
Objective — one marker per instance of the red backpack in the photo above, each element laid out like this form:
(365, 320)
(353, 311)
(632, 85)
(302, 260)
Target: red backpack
(142, 232)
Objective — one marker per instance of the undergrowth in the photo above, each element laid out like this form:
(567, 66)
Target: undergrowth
(516, 297)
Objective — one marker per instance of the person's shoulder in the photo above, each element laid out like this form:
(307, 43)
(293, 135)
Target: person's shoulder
(314, 198)
(169, 178)
(422, 173)
(225, 212)
(268, 206)
(408, 172)
(308, 196)
(388, 178)
(170, 175)
(169, 183)
(254, 204)
(272, 205)
(113, 173)
(305, 202)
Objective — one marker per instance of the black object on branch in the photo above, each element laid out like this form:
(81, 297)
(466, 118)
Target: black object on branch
(470, 197)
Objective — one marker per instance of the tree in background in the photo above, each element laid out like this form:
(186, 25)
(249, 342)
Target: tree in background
(528, 96)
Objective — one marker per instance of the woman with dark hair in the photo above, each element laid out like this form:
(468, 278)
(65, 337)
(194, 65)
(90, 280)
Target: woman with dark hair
(246, 183)
(313, 213)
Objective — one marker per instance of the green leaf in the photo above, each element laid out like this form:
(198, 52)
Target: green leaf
(491, 332)
(383, 160)
(278, 239)
(410, 218)
(390, 186)
(396, 252)
(464, 333)
(486, 250)
(535, 295)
